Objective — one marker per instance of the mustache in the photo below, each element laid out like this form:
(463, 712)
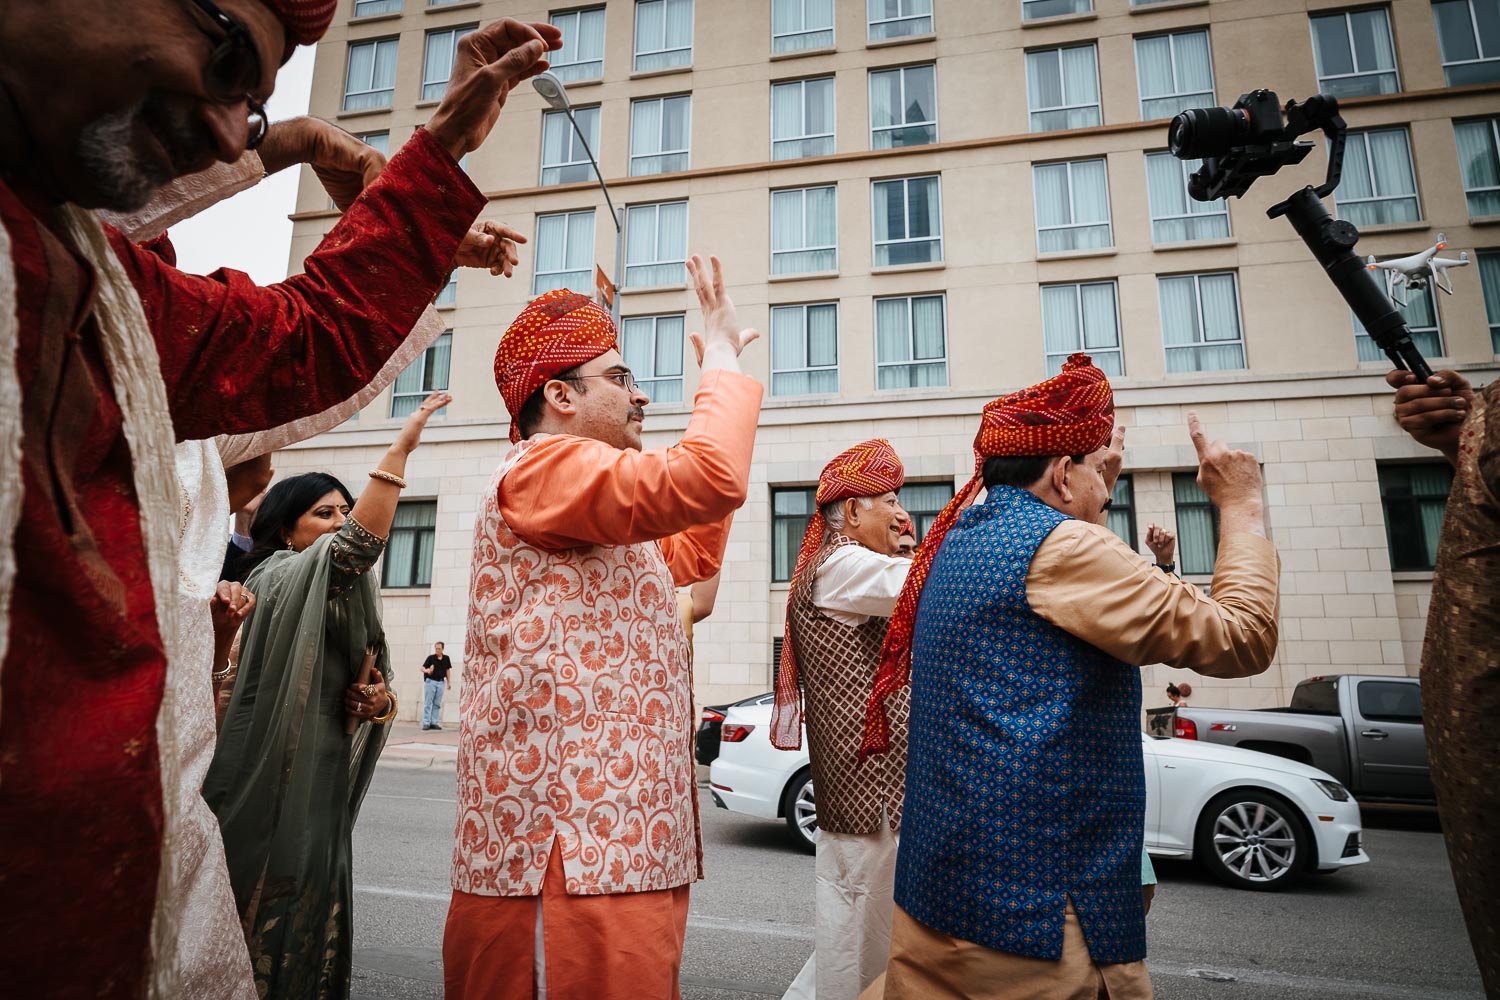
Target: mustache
(1108, 504)
(638, 413)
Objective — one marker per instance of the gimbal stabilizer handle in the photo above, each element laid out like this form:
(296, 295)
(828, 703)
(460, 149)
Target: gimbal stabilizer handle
(1332, 243)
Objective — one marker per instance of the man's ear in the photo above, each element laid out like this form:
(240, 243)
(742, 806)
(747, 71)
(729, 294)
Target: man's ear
(1060, 485)
(558, 396)
(851, 512)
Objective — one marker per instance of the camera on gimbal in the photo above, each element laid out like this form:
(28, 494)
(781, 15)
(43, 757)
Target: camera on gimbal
(1251, 140)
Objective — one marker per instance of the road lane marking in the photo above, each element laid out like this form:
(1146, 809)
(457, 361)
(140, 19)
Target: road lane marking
(1291, 981)
(410, 798)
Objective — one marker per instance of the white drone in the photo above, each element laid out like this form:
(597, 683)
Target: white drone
(1419, 270)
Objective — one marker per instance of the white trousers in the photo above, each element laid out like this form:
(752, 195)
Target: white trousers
(854, 884)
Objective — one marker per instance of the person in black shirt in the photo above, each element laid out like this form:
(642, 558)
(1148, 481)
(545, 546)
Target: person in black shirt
(435, 669)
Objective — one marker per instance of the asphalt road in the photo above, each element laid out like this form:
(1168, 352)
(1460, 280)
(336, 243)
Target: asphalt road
(1387, 929)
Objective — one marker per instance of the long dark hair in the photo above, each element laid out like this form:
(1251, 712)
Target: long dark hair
(284, 503)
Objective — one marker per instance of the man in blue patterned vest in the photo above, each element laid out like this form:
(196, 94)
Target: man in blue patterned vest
(1021, 628)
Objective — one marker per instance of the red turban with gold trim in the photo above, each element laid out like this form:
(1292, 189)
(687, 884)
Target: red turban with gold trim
(557, 331)
(1072, 413)
(866, 470)
(305, 20)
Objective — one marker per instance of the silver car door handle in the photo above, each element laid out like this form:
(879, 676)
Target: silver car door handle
(1374, 734)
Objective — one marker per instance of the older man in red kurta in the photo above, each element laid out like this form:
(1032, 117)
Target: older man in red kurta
(81, 772)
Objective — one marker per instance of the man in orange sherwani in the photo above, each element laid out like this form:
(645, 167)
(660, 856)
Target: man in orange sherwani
(577, 832)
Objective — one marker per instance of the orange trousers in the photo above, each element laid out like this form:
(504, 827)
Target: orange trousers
(622, 946)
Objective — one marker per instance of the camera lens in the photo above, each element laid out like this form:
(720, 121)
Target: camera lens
(1200, 132)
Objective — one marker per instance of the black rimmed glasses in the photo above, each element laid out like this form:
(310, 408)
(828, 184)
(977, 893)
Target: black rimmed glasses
(625, 380)
(234, 70)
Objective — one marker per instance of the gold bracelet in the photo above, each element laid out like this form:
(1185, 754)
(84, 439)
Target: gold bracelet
(388, 477)
(390, 710)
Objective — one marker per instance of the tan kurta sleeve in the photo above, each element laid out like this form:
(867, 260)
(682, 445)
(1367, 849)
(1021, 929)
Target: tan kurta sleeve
(1088, 583)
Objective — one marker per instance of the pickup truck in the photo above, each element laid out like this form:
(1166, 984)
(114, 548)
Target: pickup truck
(1365, 731)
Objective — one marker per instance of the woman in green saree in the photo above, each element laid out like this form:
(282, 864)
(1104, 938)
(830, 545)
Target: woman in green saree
(288, 774)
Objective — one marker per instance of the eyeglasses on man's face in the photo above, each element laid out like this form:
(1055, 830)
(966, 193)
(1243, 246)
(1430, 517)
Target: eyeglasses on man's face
(625, 380)
(234, 69)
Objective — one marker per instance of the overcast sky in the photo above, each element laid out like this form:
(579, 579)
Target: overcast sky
(251, 232)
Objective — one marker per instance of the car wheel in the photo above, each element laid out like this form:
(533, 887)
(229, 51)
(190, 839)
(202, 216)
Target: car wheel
(801, 810)
(1252, 840)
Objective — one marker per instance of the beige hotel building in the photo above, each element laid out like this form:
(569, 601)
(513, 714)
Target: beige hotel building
(924, 204)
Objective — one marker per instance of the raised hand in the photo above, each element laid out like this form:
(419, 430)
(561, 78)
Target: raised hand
(491, 245)
(411, 431)
(486, 66)
(344, 164)
(723, 339)
(1231, 478)
(1432, 412)
(1162, 543)
(1114, 459)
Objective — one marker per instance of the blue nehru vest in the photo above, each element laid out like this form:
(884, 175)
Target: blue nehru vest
(1024, 773)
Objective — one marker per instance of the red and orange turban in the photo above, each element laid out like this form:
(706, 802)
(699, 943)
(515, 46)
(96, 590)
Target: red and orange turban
(866, 470)
(557, 331)
(305, 20)
(1072, 413)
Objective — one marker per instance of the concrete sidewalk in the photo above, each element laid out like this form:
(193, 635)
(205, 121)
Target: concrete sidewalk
(409, 746)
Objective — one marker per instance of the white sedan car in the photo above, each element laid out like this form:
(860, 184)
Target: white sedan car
(1252, 820)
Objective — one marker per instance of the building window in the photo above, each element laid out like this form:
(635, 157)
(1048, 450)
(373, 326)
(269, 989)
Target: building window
(1121, 516)
(924, 502)
(1479, 159)
(370, 81)
(438, 66)
(1197, 526)
(804, 230)
(899, 18)
(1421, 318)
(805, 349)
(655, 244)
(802, 118)
(449, 294)
(1082, 317)
(1062, 88)
(565, 159)
(1469, 38)
(424, 376)
(1175, 72)
(911, 344)
(1176, 218)
(790, 510)
(1032, 10)
(1072, 206)
(1200, 322)
(1354, 53)
(907, 218)
(653, 351)
(369, 8)
(659, 128)
(1379, 184)
(564, 251)
(1414, 497)
(582, 54)
(408, 553)
(903, 107)
(1489, 281)
(801, 24)
(663, 34)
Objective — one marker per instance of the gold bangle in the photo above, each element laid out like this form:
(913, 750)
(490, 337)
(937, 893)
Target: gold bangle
(390, 710)
(388, 477)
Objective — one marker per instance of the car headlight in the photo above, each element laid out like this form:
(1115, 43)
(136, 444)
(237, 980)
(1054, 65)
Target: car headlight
(1332, 789)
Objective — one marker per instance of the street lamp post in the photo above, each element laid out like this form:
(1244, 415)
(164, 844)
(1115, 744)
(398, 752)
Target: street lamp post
(555, 94)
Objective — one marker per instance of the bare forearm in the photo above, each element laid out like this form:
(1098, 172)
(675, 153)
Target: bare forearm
(376, 506)
(1248, 517)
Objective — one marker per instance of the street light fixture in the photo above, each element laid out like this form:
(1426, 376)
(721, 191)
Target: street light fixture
(555, 94)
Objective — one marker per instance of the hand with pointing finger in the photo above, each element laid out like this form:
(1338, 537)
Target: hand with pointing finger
(1114, 459)
(1231, 478)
